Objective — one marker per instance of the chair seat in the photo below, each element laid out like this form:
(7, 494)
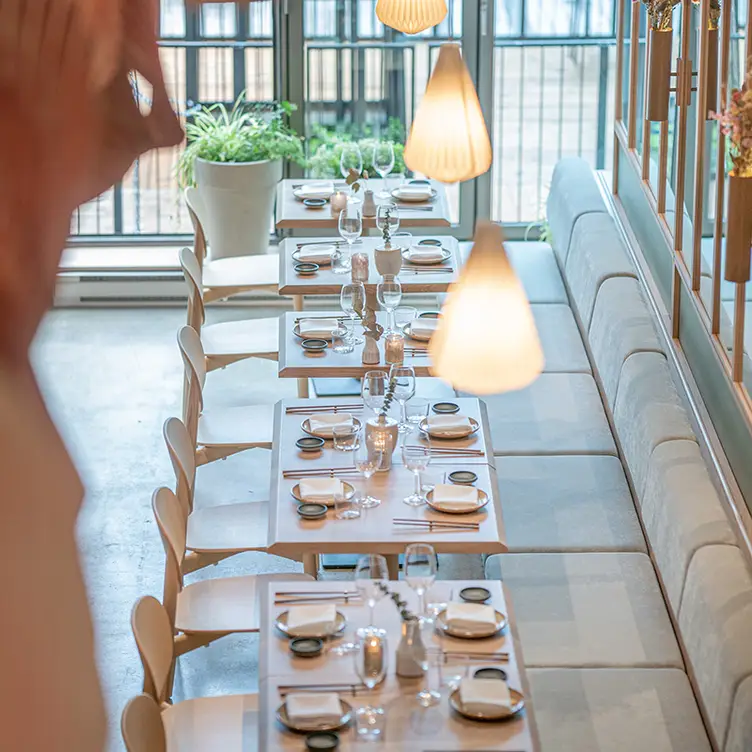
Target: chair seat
(249, 426)
(249, 337)
(588, 610)
(248, 272)
(228, 723)
(225, 605)
(229, 528)
(614, 710)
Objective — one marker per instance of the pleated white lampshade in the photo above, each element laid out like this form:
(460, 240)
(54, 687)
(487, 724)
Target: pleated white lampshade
(411, 16)
(449, 140)
(486, 341)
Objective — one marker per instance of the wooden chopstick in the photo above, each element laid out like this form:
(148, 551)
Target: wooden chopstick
(439, 524)
(322, 599)
(343, 688)
(452, 450)
(315, 592)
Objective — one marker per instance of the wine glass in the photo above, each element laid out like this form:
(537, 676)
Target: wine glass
(387, 215)
(350, 225)
(371, 575)
(383, 163)
(389, 295)
(368, 458)
(404, 389)
(416, 459)
(420, 570)
(373, 389)
(352, 298)
(350, 159)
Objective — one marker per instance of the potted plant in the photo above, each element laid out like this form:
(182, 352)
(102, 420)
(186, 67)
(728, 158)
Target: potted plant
(234, 157)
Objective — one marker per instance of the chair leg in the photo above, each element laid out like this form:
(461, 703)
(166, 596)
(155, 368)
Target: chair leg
(298, 302)
(392, 564)
(303, 388)
(311, 565)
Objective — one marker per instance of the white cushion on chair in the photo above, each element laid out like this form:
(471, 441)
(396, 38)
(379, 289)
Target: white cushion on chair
(228, 528)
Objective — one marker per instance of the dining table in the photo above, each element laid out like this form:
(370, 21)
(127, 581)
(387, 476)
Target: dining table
(408, 726)
(375, 531)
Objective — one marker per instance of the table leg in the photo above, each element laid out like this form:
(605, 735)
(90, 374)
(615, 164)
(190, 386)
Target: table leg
(392, 564)
(311, 565)
(297, 302)
(303, 388)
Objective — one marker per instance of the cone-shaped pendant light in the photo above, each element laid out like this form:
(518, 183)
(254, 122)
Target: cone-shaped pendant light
(411, 16)
(449, 140)
(486, 341)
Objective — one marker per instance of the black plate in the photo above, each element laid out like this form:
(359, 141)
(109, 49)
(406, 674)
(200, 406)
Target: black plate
(310, 443)
(446, 408)
(463, 477)
(315, 203)
(314, 345)
(306, 267)
(490, 673)
(430, 241)
(311, 511)
(306, 647)
(322, 740)
(475, 594)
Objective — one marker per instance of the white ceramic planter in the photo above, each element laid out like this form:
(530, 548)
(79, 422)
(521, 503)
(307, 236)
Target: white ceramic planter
(238, 202)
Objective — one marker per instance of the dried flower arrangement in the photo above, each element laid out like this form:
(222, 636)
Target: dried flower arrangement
(736, 124)
(354, 177)
(660, 13)
(401, 605)
(388, 397)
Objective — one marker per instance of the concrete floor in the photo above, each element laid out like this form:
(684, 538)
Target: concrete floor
(111, 377)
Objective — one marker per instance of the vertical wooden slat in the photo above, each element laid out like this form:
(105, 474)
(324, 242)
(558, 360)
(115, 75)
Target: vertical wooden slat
(646, 128)
(737, 372)
(663, 167)
(676, 287)
(633, 66)
(683, 70)
(619, 82)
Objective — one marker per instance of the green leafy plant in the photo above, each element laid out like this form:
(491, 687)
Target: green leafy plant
(388, 397)
(401, 605)
(246, 133)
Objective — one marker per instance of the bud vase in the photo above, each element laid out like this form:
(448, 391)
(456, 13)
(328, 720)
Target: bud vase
(369, 204)
(388, 260)
(383, 432)
(411, 651)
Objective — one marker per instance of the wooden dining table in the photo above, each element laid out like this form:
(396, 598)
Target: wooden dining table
(409, 727)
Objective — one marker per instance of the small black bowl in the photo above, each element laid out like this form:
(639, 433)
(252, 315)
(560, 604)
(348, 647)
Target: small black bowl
(475, 594)
(311, 511)
(446, 408)
(430, 241)
(305, 268)
(314, 203)
(463, 477)
(314, 345)
(306, 647)
(319, 740)
(419, 181)
(490, 673)
(310, 444)
(429, 315)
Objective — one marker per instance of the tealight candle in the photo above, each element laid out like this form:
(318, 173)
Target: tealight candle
(360, 267)
(394, 348)
(338, 202)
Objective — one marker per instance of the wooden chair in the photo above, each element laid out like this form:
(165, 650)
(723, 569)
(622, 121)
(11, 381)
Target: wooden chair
(202, 612)
(221, 432)
(227, 722)
(141, 725)
(228, 341)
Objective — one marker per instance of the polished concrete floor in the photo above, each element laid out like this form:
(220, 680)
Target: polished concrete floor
(111, 377)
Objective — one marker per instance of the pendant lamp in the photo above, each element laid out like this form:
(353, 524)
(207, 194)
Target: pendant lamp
(448, 140)
(486, 341)
(411, 16)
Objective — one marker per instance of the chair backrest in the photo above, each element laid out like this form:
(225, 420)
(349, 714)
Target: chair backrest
(193, 202)
(152, 631)
(141, 725)
(194, 279)
(172, 523)
(194, 362)
(183, 458)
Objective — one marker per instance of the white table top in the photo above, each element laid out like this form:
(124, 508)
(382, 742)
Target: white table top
(325, 282)
(409, 727)
(292, 214)
(374, 531)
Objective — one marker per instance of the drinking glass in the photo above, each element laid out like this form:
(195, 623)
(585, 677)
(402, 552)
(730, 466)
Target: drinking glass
(373, 389)
(387, 215)
(427, 696)
(346, 509)
(370, 723)
(416, 459)
(370, 574)
(416, 411)
(389, 295)
(350, 159)
(370, 666)
(404, 390)
(367, 461)
(345, 438)
(350, 225)
(420, 571)
(403, 240)
(352, 298)
(404, 314)
(342, 340)
(383, 163)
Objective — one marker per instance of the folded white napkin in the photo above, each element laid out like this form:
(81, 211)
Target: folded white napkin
(426, 254)
(313, 619)
(318, 327)
(470, 616)
(423, 328)
(314, 706)
(414, 192)
(320, 489)
(322, 189)
(487, 696)
(318, 254)
(449, 425)
(324, 424)
(450, 496)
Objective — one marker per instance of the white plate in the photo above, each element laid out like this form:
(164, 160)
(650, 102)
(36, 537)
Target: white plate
(482, 501)
(296, 332)
(481, 633)
(295, 491)
(445, 256)
(325, 259)
(407, 330)
(311, 724)
(412, 200)
(339, 625)
(475, 426)
(518, 703)
(302, 195)
(306, 426)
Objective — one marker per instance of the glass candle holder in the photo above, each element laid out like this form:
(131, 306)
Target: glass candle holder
(394, 348)
(359, 267)
(338, 202)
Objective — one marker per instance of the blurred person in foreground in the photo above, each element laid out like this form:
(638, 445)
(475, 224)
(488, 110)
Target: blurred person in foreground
(69, 129)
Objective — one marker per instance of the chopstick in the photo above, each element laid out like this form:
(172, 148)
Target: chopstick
(307, 409)
(288, 689)
(300, 474)
(315, 592)
(321, 318)
(438, 524)
(451, 450)
(322, 599)
(327, 242)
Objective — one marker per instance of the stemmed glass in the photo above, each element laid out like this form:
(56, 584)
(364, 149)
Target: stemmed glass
(350, 229)
(416, 459)
(350, 159)
(370, 666)
(404, 389)
(373, 389)
(387, 215)
(352, 298)
(370, 574)
(368, 458)
(420, 571)
(383, 163)
(389, 295)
